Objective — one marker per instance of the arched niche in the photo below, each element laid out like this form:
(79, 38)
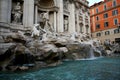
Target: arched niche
(46, 3)
(15, 12)
(49, 5)
(81, 27)
(46, 6)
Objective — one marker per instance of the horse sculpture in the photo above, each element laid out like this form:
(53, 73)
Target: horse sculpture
(35, 31)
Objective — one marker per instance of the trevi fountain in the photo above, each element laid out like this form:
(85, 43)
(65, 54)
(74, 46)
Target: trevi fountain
(42, 53)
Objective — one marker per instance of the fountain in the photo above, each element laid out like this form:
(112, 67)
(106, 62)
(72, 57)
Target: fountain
(47, 48)
(111, 48)
(91, 53)
(50, 48)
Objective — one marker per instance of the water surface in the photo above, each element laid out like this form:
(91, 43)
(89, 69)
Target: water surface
(98, 69)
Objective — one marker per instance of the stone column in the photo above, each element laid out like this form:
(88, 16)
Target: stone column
(55, 25)
(28, 13)
(77, 26)
(89, 30)
(36, 14)
(72, 18)
(83, 28)
(60, 17)
(5, 11)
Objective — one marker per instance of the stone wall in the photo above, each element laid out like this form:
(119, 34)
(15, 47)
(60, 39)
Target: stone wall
(103, 37)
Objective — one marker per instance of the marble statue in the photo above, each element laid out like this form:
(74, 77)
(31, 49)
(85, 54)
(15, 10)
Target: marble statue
(17, 13)
(35, 31)
(65, 5)
(46, 16)
(44, 37)
(47, 25)
(73, 36)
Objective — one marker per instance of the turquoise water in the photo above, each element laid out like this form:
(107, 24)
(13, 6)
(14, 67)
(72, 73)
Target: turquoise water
(99, 69)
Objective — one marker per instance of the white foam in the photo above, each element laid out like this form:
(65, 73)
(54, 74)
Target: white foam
(94, 58)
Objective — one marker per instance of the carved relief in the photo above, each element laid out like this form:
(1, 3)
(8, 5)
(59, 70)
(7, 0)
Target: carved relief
(65, 4)
(80, 18)
(80, 12)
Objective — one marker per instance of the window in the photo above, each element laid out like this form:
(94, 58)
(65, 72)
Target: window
(107, 33)
(97, 18)
(105, 15)
(97, 26)
(114, 3)
(106, 24)
(98, 34)
(96, 10)
(114, 12)
(105, 7)
(116, 31)
(87, 28)
(81, 27)
(115, 21)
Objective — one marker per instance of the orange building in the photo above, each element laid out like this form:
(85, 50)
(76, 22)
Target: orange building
(105, 20)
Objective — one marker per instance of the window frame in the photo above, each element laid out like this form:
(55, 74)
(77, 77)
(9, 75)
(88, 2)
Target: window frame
(97, 18)
(114, 3)
(97, 26)
(97, 11)
(98, 34)
(116, 31)
(107, 32)
(105, 7)
(115, 22)
(114, 12)
(106, 25)
(105, 15)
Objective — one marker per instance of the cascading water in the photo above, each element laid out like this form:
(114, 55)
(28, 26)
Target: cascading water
(93, 49)
(91, 53)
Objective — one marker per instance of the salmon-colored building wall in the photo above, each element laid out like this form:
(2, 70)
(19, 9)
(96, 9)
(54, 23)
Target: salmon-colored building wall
(101, 12)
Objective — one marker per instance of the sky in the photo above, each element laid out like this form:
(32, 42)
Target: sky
(91, 2)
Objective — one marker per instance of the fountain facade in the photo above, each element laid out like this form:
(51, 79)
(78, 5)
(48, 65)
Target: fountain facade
(58, 15)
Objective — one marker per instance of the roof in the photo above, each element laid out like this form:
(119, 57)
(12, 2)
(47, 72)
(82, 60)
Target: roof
(97, 4)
